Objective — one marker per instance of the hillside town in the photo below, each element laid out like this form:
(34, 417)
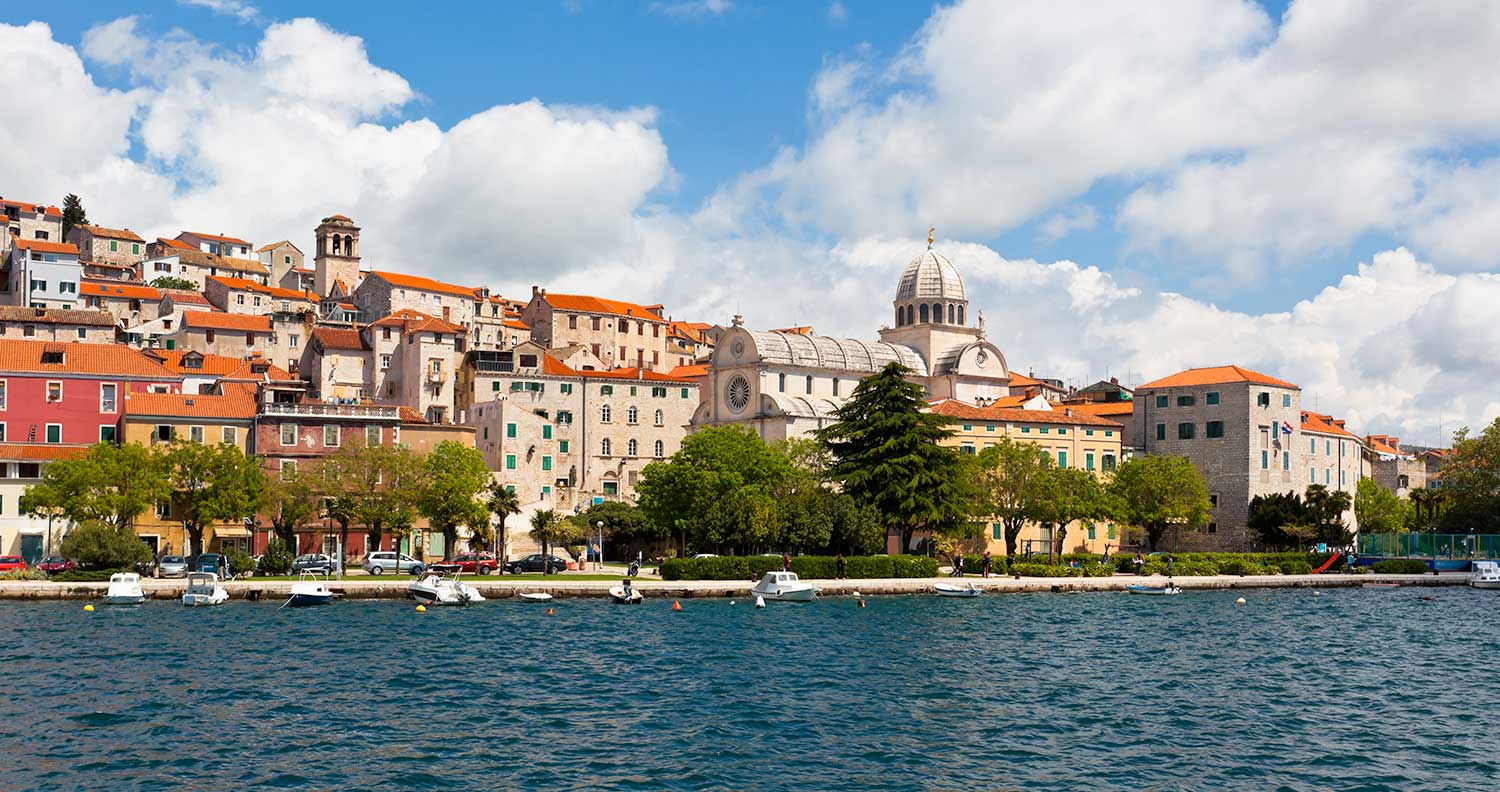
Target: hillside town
(107, 335)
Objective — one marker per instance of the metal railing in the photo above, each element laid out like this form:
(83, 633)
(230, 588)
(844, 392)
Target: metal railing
(319, 409)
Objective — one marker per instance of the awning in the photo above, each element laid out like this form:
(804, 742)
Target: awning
(230, 531)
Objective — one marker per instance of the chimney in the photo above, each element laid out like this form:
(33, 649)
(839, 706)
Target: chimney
(1114, 381)
(534, 291)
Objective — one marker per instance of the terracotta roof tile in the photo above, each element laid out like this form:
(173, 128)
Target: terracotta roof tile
(515, 324)
(34, 452)
(24, 356)
(274, 245)
(236, 402)
(217, 238)
(1103, 408)
(340, 338)
(174, 243)
(244, 284)
(1324, 424)
(119, 290)
(690, 371)
(50, 211)
(601, 305)
(1217, 375)
(423, 284)
(184, 297)
(113, 233)
(416, 322)
(221, 366)
(217, 320)
(957, 409)
(90, 317)
(44, 246)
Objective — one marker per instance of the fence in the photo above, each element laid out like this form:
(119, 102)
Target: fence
(1424, 545)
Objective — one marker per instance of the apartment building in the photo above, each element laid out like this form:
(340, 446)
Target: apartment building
(108, 253)
(56, 324)
(1394, 468)
(622, 334)
(176, 258)
(41, 274)
(25, 220)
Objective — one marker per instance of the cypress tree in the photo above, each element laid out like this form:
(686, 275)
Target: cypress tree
(73, 214)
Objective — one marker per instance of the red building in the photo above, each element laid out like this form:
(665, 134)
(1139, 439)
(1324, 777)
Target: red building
(72, 393)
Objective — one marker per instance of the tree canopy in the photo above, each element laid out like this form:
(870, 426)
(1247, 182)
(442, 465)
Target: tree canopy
(73, 214)
(212, 482)
(454, 477)
(1011, 477)
(1470, 496)
(1155, 491)
(113, 484)
(174, 282)
(1378, 510)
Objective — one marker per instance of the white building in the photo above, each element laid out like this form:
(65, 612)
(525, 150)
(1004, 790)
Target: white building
(42, 274)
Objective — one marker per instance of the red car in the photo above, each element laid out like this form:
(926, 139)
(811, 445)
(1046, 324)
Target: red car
(12, 563)
(55, 564)
(468, 563)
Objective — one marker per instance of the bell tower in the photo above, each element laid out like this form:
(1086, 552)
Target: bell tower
(337, 256)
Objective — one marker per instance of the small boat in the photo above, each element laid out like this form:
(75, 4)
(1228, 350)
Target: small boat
(620, 595)
(950, 590)
(534, 596)
(310, 589)
(436, 588)
(203, 589)
(124, 589)
(1155, 591)
(785, 587)
(1486, 575)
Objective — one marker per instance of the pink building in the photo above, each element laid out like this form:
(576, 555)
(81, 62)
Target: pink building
(71, 393)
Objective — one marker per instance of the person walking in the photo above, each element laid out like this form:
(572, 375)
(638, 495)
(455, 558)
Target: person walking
(838, 566)
(786, 562)
(985, 564)
(958, 564)
(1140, 563)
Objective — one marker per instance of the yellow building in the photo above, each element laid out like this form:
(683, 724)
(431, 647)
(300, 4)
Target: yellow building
(1070, 439)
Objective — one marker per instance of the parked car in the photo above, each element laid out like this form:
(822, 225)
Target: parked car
(55, 564)
(534, 563)
(12, 564)
(172, 566)
(468, 563)
(217, 563)
(314, 562)
(382, 561)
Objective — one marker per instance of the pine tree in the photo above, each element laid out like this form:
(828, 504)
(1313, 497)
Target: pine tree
(73, 214)
(886, 455)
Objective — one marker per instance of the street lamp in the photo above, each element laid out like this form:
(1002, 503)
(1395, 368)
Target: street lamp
(599, 565)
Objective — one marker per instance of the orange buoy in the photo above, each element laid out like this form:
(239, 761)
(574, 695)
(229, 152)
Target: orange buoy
(676, 605)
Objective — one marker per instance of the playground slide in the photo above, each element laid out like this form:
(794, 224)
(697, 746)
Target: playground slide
(1326, 564)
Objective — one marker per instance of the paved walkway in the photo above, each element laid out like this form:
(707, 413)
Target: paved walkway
(395, 588)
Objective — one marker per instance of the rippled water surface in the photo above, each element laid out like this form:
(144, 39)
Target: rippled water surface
(1352, 690)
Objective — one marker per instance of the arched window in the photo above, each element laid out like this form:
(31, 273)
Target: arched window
(604, 447)
(631, 448)
(604, 417)
(924, 313)
(951, 313)
(960, 314)
(632, 414)
(661, 449)
(937, 313)
(338, 244)
(660, 419)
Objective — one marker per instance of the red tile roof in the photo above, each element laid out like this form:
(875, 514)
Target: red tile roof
(551, 365)
(59, 316)
(184, 297)
(274, 245)
(216, 237)
(1324, 424)
(1217, 375)
(34, 452)
(113, 233)
(129, 291)
(236, 402)
(221, 366)
(175, 243)
(515, 324)
(50, 211)
(218, 320)
(340, 338)
(798, 330)
(23, 356)
(423, 284)
(960, 410)
(274, 291)
(688, 372)
(1386, 444)
(1103, 408)
(416, 322)
(44, 246)
(601, 305)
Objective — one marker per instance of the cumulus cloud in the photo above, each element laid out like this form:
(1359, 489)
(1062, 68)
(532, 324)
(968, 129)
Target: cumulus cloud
(693, 8)
(243, 11)
(1060, 224)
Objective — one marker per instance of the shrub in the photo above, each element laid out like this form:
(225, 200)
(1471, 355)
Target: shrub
(1181, 565)
(277, 559)
(1241, 566)
(240, 562)
(1045, 570)
(96, 546)
(1295, 567)
(754, 567)
(1098, 569)
(1124, 563)
(975, 565)
(24, 574)
(1401, 566)
(1082, 558)
(83, 576)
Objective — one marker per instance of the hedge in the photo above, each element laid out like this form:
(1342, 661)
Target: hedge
(1046, 570)
(1401, 566)
(810, 567)
(974, 565)
(83, 576)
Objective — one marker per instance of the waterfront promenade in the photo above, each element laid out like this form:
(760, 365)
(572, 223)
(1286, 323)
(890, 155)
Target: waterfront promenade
(563, 586)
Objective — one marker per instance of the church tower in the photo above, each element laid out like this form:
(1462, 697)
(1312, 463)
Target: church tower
(337, 256)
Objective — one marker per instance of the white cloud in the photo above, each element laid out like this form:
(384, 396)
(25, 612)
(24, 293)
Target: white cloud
(243, 11)
(1060, 224)
(693, 8)
(837, 12)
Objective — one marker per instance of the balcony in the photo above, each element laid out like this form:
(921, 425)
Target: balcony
(321, 410)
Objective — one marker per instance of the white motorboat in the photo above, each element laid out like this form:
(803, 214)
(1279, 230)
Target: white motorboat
(124, 589)
(203, 589)
(534, 596)
(1156, 591)
(310, 589)
(784, 587)
(443, 589)
(950, 590)
(620, 595)
(1486, 575)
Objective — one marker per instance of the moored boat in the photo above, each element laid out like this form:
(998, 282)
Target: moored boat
(784, 587)
(1486, 575)
(1154, 591)
(203, 589)
(310, 589)
(124, 589)
(625, 595)
(534, 596)
(950, 590)
(436, 588)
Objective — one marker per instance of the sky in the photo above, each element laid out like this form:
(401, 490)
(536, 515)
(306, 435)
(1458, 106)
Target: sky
(1309, 189)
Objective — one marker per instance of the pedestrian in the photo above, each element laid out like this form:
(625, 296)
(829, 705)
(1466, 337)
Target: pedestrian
(985, 564)
(838, 566)
(786, 562)
(1140, 563)
(1169, 566)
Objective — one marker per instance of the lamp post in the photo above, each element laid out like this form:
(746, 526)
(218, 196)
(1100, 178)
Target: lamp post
(600, 564)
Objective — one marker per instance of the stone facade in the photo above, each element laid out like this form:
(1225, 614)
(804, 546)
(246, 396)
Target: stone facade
(336, 255)
(383, 293)
(51, 324)
(31, 221)
(282, 259)
(129, 303)
(195, 266)
(216, 244)
(622, 334)
(114, 253)
(1393, 468)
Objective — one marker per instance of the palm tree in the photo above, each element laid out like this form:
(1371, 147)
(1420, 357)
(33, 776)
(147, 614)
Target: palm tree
(502, 502)
(544, 527)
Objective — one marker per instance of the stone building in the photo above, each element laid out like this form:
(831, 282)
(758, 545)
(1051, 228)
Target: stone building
(41, 274)
(216, 244)
(129, 303)
(178, 259)
(336, 258)
(340, 363)
(238, 295)
(56, 324)
(284, 260)
(384, 293)
(109, 253)
(218, 333)
(1392, 467)
(31, 221)
(622, 334)
(786, 384)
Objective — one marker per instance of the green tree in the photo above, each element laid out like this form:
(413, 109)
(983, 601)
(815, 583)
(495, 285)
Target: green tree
(548, 528)
(502, 503)
(1470, 498)
(174, 282)
(455, 476)
(886, 453)
(1281, 520)
(1377, 509)
(98, 546)
(1012, 478)
(715, 492)
(212, 482)
(626, 528)
(1157, 491)
(385, 480)
(291, 501)
(856, 529)
(113, 484)
(277, 559)
(1325, 512)
(1069, 495)
(73, 214)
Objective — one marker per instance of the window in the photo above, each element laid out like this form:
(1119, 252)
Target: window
(385, 362)
(510, 430)
(1062, 458)
(1286, 400)
(809, 383)
(2, 394)
(1312, 475)
(632, 415)
(546, 463)
(227, 435)
(989, 427)
(1162, 401)
(1265, 460)
(1091, 532)
(1328, 447)
(659, 449)
(372, 435)
(54, 433)
(54, 391)
(659, 393)
(684, 393)
(606, 390)
(1213, 501)
(106, 434)
(781, 382)
(1088, 461)
(1312, 445)
(1184, 401)
(209, 336)
(107, 393)
(566, 387)
(291, 340)
(1213, 527)
(1044, 430)
(604, 414)
(163, 434)
(1327, 475)
(288, 434)
(968, 427)
(1263, 399)
(1161, 431)
(38, 285)
(1025, 430)
(1212, 397)
(631, 447)
(1213, 429)
(510, 461)
(835, 386)
(565, 416)
(331, 436)
(249, 339)
(239, 299)
(164, 508)
(562, 446)
(83, 334)
(1286, 461)
(604, 447)
(288, 469)
(195, 434)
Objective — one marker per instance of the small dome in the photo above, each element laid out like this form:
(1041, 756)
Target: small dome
(930, 276)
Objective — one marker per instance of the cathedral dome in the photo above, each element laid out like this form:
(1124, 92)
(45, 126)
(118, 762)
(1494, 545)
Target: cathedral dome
(930, 276)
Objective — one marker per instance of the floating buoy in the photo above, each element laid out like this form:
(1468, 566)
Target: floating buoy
(731, 603)
(854, 594)
(1240, 601)
(676, 605)
(1427, 599)
(1317, 593)
(760, 602)
(550, 611)
(89, 608)
(421, 609)
(861, 603)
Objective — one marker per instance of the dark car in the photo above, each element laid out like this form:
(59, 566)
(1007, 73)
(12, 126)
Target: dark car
(469, 564)
(217, 563)
(55, 564)
(534, 563)
(314, 562)
(12, 564)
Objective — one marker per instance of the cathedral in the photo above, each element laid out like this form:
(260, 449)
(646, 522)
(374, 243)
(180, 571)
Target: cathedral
(786, 384)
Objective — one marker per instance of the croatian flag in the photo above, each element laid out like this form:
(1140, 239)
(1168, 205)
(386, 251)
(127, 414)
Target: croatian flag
(1286, 428)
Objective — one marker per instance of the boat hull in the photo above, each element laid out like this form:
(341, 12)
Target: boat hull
(302, 600)
(124, 599)
(955, 591)
(787, 595)
(1489, 585)
(203, 600)
(618, 596)
(1153, 591)
(534, 597)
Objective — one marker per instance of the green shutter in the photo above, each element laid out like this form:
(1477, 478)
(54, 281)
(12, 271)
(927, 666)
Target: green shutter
(113, 246)
(510, 461)
(1062, 459)
(510, 430)
(546, 463)
(546, 431)
(684, 393)
(562, 446)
